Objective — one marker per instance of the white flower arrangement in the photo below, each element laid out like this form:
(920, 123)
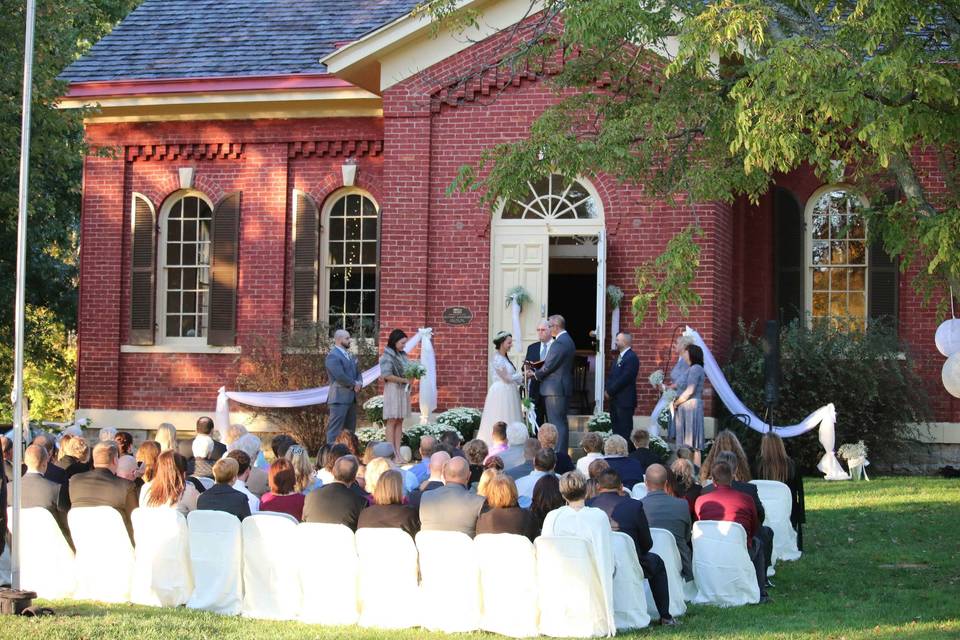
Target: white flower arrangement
(519, 294)
(366, 435)
(614, 296)
(656, 378)
(599, 422)
(853, 451)
(464, 420)
(414, 370)
(664, 418)
(373, 408)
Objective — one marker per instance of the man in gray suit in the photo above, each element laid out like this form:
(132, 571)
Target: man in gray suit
(556, 378)
(451, 507)
(666, 512)
(345, 384)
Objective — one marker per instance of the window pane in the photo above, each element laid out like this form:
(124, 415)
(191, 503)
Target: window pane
(369, 278)
(838, 279)
(173, 254)
(820, 304)
(838, 305)
(820, 231)
(820, 252)
(336, 253)
(336, 228)
(173, 302)
(353, 229)
(858, 252)
(173, 326)
(354, 206)
(173, 229)
(189, 327)
(857, 305)
(189, 254)
(858, 226)
(353, 302)
(190, 303)
(190, 230)
(338, 209)
(821, 279)
(336, 279)
(369, 255)
(368, 208)
(369, 228)
(369, 302)
(838, 252)
(352, 253)
(353, 279)
(189, 279)
(838, 227)
(858, 279)
(336, 302)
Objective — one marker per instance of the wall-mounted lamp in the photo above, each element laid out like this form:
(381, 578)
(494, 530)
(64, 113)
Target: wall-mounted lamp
(186, 177)
(349, 169)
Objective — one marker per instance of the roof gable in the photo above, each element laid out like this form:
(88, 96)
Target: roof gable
(222, 38)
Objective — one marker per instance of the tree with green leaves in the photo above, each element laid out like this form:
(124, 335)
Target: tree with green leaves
(710, 101)
(64, 29)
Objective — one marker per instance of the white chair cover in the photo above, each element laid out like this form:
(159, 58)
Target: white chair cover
(46, 560)
(777, 505)
(5, 568)
(215, 560)
(665, 546)
(329, 588)
(104, 554)
(630, 609)
(389, 595)
(277, 514)
(162, 576)
(271, 574)
(639, 491)
(447, 558)
(572, 598)
(508, 584)
(721, 565)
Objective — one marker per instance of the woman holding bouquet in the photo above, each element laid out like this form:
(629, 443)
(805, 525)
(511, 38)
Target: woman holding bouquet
(396, 387)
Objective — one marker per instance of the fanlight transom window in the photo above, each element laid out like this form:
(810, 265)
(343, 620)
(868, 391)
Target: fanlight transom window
(554, 198)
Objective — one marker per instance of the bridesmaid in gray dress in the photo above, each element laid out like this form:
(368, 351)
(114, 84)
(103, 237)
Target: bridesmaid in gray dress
(688, 406)
(678, 378)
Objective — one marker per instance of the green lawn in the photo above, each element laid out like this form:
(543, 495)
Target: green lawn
(882, 561)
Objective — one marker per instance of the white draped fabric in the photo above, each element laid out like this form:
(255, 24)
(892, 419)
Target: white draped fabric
(825, 417)
(318, 395)
(515, 318)
(614, 327)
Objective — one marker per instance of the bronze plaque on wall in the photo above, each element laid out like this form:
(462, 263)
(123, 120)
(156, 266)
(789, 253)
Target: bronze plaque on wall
(457, 315)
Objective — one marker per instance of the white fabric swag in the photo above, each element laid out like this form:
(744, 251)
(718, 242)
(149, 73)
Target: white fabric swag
(515, 318)
(318, 395)
(825, 417)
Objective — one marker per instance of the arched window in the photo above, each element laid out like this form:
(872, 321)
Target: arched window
(553, 198)
(186, 227)
(837, 258)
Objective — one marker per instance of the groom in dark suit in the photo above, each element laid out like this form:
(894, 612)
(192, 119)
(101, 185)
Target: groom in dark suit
(555, 378)
(535, 353)
(621, 388)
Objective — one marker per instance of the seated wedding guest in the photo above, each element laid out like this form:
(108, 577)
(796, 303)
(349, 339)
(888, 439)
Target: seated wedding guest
(330, 455)
(124, 442)
(127, 468)
(516, 437)
(548, 435)
(386, 451)
(204, 427)
(405, 457)
(775, 464)
(243, 474)
(597, 467)
(75, 458)
(305, 481)
(54, 472)
(484, 481)
(37, 491)
(350, 441)
(451, 507)
(499, 438)
(725, 503)
(147, 455)
(685, 483)
(428, 445)
(592, 445)
(223, 496)
(493, 462)
(166, 437)
(231, 438)
(202, 464)
(667, 512)
(686, 453)
(169, 487)
(629, 470)
(375, 468)
(101, 487)
(642, 453)
(451, 440)
(335, 502)
(476, 451)
(627, 515)
(258, 482)
(530, 448)
(388, 509)
(283, 496)
(544, 463)
(503, 514)
(546, 498)
(435, 480)
(727, 442)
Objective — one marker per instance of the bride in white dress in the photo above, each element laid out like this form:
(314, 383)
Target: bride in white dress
(503, 397)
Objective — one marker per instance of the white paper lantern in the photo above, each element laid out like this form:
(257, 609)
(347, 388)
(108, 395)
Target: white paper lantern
(951, 375)
(948, 337)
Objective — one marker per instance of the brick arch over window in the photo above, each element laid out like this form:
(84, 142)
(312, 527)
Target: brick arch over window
(169, 185)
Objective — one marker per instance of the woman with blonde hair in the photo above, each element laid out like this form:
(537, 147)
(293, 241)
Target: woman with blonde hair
(166, 437)
(488, 474)
(169, 487)
(775, 464)
(685, 482)
(727, 440)
(375, 468)
(147, 456)
(75, 456)
(389, 509)
(303, 468)
(503, 514)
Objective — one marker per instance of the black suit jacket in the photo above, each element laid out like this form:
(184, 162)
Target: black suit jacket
(222, 497)
(742, 487)
(630, 471)
(626, 515)
(622, 382)
(186, 450)
(533, 355)
(390, 516)
(101, 488)
(37, 491)
(645, 457)
(55, 473)
(334, 503)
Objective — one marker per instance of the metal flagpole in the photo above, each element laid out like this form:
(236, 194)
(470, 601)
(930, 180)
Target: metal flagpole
(20, 302)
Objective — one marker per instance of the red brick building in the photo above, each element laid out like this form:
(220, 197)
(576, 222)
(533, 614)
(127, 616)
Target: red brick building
(244, 186)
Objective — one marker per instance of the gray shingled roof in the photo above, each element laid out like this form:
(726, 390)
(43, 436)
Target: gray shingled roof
(222, 38)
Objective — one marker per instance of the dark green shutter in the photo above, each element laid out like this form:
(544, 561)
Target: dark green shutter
(143, 232)
(306, 224)
(222, 311)
(883, 278)
(789, 263)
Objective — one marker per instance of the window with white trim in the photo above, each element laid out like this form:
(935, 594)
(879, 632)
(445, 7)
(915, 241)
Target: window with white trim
(553, 198)
(351, 262)
(184, 285)
(837, 258)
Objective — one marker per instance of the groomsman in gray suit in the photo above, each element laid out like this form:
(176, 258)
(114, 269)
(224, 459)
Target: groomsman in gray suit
(345, 384)
(556, 378)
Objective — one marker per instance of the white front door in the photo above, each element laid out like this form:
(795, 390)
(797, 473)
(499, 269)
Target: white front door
(601, 320)
(521, 257)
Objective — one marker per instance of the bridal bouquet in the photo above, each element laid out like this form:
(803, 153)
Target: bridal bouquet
(656, 378)
(664, 418)
(414, 370)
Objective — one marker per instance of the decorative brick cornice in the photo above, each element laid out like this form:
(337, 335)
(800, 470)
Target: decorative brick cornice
(334, 148)
(196, 151)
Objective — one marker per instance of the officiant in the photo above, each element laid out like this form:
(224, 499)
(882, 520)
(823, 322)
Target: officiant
(537, 352)
(621, 387)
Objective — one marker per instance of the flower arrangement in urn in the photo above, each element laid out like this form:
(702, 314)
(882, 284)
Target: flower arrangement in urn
(856, 457)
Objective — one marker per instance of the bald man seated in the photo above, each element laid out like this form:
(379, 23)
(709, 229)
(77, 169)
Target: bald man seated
(335, 502)
(451, 507)
(38, 491)
(434, 481)
(670, 513)
(102, 488)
